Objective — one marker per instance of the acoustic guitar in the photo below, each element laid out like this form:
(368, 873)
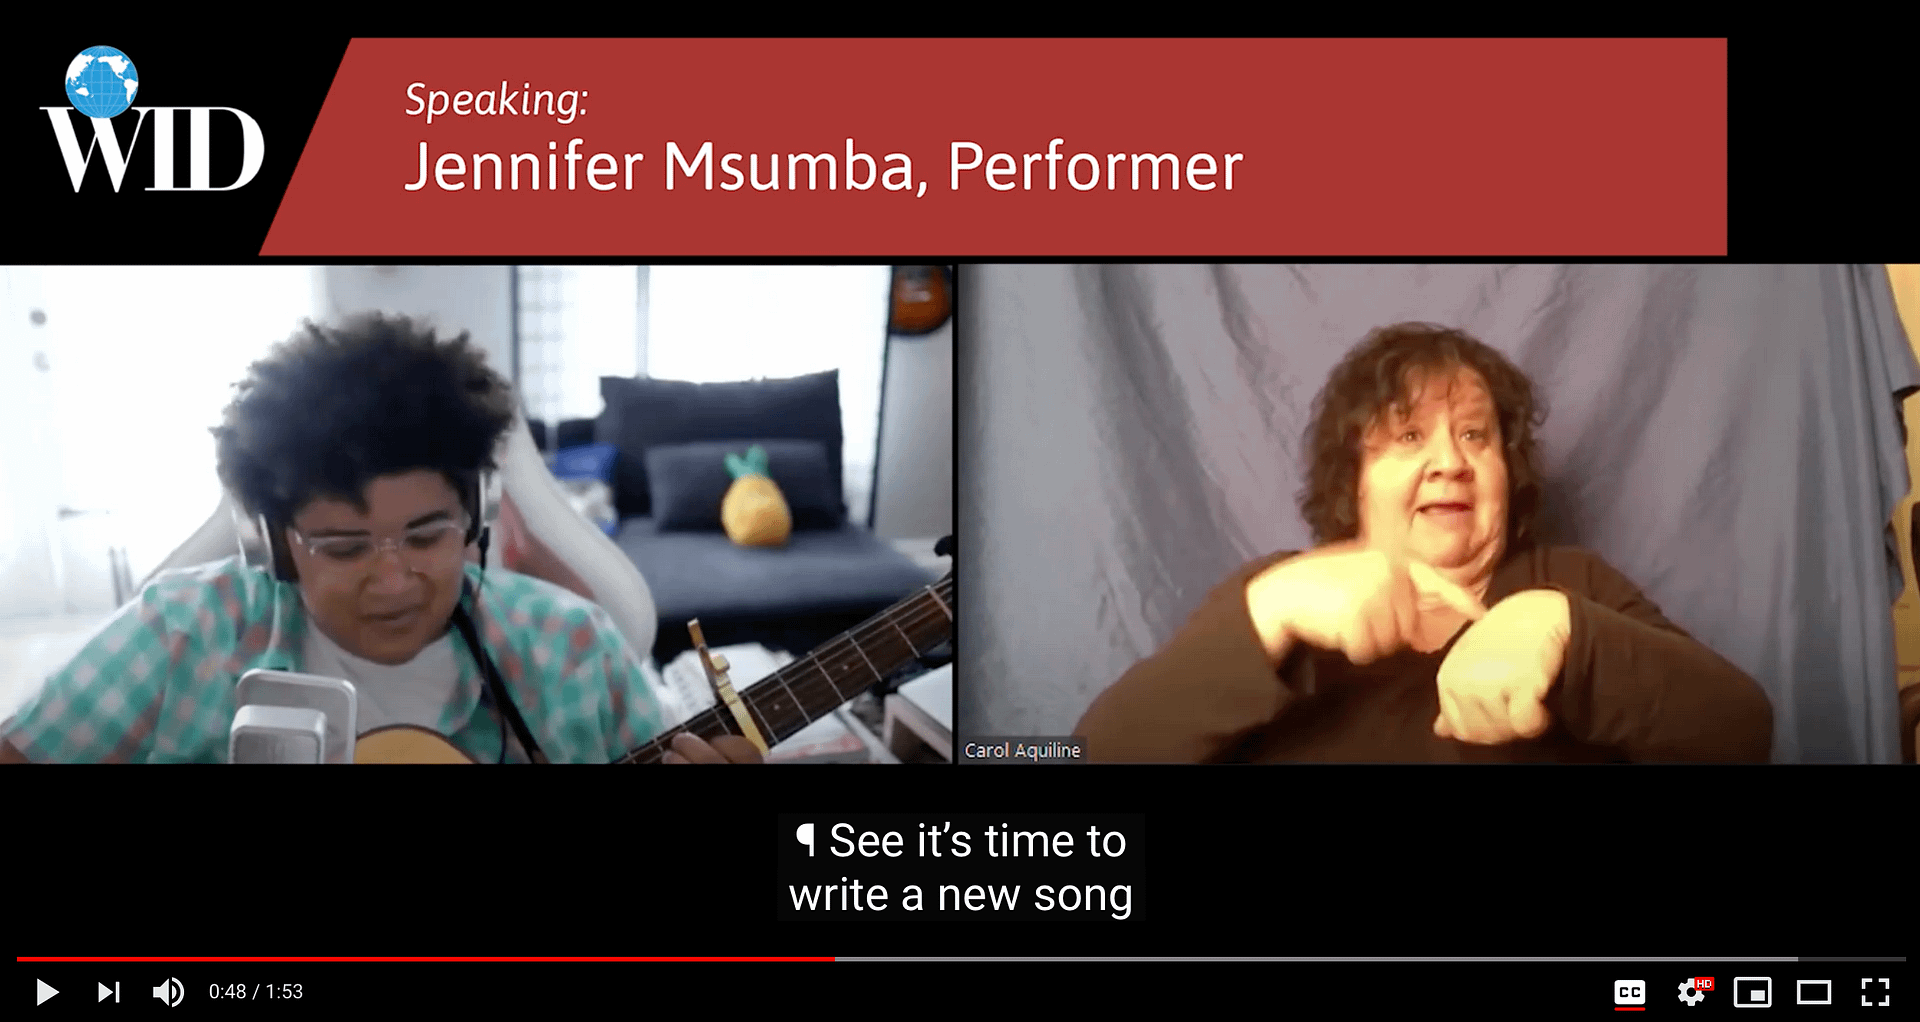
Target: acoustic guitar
(779, 705)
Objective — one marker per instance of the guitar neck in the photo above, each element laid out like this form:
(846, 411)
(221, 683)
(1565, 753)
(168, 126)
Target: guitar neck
(810, 688)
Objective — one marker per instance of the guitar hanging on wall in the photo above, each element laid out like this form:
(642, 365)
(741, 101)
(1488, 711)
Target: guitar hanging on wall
(922, 299)
(774, 708)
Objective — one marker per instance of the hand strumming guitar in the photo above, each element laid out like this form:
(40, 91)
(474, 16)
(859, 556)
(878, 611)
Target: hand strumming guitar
(690, 748)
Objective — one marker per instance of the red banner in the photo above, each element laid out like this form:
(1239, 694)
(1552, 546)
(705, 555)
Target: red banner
(1015, 148)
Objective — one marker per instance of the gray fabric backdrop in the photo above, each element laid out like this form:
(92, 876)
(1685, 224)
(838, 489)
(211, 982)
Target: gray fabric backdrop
(1727, 436)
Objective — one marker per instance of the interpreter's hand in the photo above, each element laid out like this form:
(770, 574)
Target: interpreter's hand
(1360, 601)
(691, 748)
(1495, 680)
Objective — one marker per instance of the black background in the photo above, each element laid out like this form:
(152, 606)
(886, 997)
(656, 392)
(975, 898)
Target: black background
(1396, 861)
(280, 80)
(1819, 116)
(1538, 990)
(1257, 860)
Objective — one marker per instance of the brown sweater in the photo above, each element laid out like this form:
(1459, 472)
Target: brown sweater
(1634, 688)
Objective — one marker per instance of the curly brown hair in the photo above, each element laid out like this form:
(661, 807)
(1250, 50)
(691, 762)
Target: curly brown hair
(1383, 373)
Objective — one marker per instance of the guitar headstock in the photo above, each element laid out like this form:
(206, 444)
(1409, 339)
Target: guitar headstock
(922, 299)
(944, 548)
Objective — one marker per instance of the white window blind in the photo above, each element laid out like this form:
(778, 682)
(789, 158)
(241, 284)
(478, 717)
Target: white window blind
(712, 324)
(576, 324)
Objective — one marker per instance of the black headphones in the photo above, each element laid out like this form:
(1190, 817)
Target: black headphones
(269, 551)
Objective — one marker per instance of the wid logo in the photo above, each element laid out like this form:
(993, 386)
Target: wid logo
(101, 85)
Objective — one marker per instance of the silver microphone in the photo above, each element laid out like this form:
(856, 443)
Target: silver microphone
(277, 734)
(285, 717)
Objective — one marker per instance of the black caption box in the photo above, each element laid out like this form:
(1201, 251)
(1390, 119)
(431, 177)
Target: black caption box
(936, 868)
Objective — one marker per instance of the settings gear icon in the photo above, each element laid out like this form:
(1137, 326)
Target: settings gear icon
(1691, 995)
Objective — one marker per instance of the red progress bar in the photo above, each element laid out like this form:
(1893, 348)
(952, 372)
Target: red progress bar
(425, 959)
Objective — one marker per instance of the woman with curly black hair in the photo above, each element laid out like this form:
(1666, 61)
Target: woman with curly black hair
(358, 451)
(1429, 624)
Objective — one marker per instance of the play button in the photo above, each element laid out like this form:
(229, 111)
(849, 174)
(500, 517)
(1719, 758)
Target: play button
(45, 991)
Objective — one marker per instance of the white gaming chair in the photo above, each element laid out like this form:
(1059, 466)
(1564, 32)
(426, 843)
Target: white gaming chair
(616, 584)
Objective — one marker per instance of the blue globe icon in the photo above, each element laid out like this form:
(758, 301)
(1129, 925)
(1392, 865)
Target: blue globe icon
(101, 82)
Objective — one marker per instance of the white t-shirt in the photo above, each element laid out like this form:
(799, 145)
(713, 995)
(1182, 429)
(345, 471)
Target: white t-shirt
(416, 692)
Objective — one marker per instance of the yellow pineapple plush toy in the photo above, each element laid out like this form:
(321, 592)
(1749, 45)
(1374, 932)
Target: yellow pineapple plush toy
(754, 512)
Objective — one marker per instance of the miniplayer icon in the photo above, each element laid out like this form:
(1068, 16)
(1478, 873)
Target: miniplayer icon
(1753, 992)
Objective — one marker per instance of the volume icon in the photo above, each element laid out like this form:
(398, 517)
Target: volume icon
(170, 992)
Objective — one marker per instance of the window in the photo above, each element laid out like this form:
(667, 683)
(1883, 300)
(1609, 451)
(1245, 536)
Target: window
(708, 324)
(715, 323)
(576, 324)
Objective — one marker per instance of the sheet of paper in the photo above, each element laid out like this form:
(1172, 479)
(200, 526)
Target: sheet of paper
(686, 682)
(823, 740)
(933, 692)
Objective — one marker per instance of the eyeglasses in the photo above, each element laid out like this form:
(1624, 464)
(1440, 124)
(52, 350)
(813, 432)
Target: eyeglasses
(421, 546)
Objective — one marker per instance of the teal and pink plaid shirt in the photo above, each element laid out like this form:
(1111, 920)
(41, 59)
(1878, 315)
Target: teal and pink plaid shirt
(156, 683)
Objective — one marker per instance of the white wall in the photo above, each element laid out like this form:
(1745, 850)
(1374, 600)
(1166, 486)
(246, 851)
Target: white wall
(915, 477)
(111, 397)
(476, 299)
(30, 576)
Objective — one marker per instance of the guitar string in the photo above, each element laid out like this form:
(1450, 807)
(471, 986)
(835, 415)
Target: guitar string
(713, 721)
(853, 638)
(908, 638)
(808, 674)
(816, 667)
(772, 716)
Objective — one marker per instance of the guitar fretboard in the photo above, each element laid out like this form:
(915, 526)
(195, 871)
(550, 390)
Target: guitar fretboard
(809, 688)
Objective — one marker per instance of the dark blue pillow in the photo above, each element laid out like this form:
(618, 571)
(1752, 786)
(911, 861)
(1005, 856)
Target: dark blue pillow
(641, 414)
(688, 482)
